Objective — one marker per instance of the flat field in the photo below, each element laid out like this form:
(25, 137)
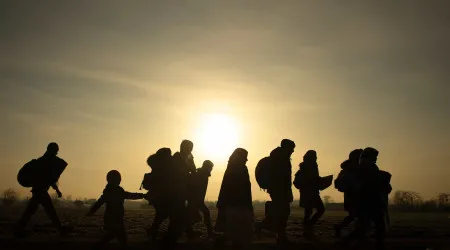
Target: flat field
(408, 231)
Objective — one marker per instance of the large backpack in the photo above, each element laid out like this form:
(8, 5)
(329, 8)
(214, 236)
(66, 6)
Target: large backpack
(262, 172)
(147, 182)
(299, 181)
(41, 171)
(157, 162)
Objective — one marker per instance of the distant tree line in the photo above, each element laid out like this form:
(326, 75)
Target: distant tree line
(400, 201)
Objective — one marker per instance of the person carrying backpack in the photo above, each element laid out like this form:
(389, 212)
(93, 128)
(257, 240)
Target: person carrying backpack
(372, 198)
(156, 184)
(346, 183)
(278, 174)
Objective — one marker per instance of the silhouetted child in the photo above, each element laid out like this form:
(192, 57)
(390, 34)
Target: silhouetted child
(199, 185)
(114, 196)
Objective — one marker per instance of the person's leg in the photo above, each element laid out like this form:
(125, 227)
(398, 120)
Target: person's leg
(29, 211)
(380, 229)
(307, 227)
(345, 222)
(46, 202)
(307, 214)
(177, 216)
(107, 237)
(320, 210)
(207, 219)
(282, 216)
(161, 214)
(121, 236)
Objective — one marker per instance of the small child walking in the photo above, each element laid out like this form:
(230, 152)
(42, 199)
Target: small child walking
(113, 196)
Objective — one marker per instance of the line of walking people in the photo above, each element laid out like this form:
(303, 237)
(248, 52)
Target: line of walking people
(177, 189)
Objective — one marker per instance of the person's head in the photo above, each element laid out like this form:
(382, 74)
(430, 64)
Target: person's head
(369, 155)
(186, 147)
(52, 148)
(208, 166)
(113, 178)
(164, 152)
(239, 156)
(310, 156)
(355, 154)
(287, 146)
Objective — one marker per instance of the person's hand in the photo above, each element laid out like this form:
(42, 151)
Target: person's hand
(59, 193)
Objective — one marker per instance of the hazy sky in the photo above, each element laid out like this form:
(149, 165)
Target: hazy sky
(112, 81)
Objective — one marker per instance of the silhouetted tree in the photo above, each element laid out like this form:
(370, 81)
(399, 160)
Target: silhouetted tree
(443, 199)
(407, 199)
(10, 196)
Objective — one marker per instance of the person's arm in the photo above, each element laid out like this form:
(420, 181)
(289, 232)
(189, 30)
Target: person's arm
(133, 196)
(56, 188)
(96, 206)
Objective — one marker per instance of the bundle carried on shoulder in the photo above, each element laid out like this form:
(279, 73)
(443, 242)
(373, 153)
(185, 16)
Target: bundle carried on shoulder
(262, 172)
(41, 171)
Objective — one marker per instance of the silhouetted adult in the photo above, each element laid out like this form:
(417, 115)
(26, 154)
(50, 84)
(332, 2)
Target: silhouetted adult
(235, 209)
(45, 178)
(184, 160)
(280, 187)
(159, 195)
(177, 192)
(113, 196)
(372, 197)
(199, 185)
(309, 192)
(346, 182)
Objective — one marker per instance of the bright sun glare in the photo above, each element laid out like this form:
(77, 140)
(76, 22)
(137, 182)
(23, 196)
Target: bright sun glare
(217, 136)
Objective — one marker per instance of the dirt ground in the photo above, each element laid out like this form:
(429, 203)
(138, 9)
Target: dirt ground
(408, 231)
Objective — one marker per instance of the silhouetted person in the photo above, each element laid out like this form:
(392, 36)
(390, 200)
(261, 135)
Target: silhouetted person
(199, 185)
(114, 196)
(346, 183)
(309, 193)
(372, 197)
(235, 209)
(184, 160)
(177, 190)
(280, 188)
(46, 178)
(161, 165)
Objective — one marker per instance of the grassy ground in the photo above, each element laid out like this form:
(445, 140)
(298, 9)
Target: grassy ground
(408, 230)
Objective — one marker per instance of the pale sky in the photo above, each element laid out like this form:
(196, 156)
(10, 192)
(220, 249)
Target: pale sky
(113, 81)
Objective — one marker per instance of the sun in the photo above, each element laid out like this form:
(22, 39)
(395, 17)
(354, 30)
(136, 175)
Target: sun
(217, 136)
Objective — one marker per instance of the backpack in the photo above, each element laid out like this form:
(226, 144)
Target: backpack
(147, 181)
(41, 172)
(262, 172)
(157, 162)
(26, 174)
(339, 183)
(299, 180)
